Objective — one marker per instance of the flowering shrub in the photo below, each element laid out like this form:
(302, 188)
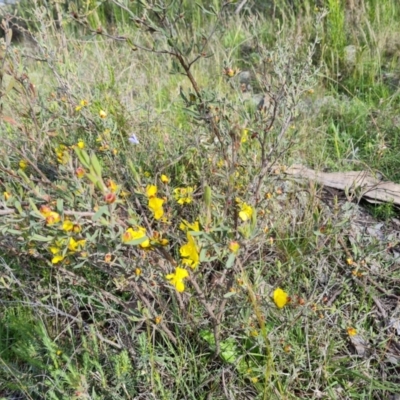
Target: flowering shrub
(177, 238)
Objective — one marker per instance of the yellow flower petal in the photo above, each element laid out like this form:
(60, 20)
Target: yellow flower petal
(23, 164)
(351, 331)
(56, 259)
(189, 252)
(234, 247)
(73, 244)
(177, 278)
(155, 205)
(164, 179)
(246, 211)
(185, 225)
(151, 190)
(131, 234)
(67, 225)
(180, 286)
(54, 249)
(112, 186)
(183, 195)
(280, 297)
(52, 218)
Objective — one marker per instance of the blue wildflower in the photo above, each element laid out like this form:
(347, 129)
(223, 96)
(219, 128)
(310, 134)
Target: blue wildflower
(133, 139)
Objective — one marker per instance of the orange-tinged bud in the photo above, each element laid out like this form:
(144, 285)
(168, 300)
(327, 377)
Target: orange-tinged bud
(351, 331)
(234, 247)
(77, 228)
(110, 198)
(80, 172)
(349, 261)
(45, 210)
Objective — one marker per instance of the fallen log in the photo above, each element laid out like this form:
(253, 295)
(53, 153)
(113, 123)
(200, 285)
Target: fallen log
(361, 183)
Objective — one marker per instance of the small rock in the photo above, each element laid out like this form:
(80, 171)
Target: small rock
(245, 77)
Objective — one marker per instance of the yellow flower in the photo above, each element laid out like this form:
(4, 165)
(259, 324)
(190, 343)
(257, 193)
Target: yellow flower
(246, 211)
(74, 245)
(351, 331)
(52, 218)
(81, 144)
(183, 195)
(158, 240)
(107, 258)
(112, 186)
(185, 225)
(67, 225)
(177, 278)
(6, 196)
(82, 103)
(23, 164)
(102, 114)
(230, 71)
(57, 258)
(130, 234)
(54, 249)
(138, 271)
(164, 179)
(151, 190)
(155, 205)
(234, 247)
(281, 298)
(189, 252)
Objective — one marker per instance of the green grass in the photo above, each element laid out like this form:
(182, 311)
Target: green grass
(103, 322)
